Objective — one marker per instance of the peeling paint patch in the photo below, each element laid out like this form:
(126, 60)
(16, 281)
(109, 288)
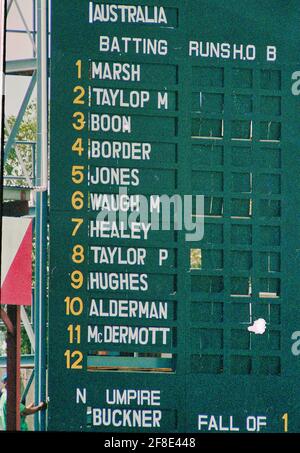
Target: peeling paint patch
(258, 327)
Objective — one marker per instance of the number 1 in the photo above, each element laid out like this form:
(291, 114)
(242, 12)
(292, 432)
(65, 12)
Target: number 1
(285, 419)
(79, 68)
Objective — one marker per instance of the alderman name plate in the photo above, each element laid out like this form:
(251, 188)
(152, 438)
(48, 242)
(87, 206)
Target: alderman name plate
(155, 327)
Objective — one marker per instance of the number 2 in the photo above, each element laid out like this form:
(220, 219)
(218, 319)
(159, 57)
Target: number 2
(79, 98)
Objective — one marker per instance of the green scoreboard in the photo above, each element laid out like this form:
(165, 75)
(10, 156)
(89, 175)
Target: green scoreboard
(152, 330)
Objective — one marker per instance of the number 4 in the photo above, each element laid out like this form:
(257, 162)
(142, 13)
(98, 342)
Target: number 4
(77, 146)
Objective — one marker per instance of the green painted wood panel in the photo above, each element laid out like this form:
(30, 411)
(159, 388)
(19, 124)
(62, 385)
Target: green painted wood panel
(165, 346)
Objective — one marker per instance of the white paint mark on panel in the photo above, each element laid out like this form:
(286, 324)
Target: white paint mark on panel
(258, 327)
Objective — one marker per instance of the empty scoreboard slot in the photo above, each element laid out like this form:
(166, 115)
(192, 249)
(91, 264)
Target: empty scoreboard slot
(241, 234)
(241, 156)
(270, 208)
(213, 233)
(212, 284)
(241, 130)
(206, 363)
(242, 103)
(204, 102)
(270, 131)
(241, 208)
(242, 78)
(270, 235)
(207, 181)
(241, 260)
(269, 184)
(268, 310)
(206, 312)
(270, 105)
(131, 361)
(270, 262)
(263, 365)
(206, 340)
(242, 182)
(270, 79)
(270, 157)
(213, 206)
(211, 155)
(210, 76)
(241, 286)
(207, 128)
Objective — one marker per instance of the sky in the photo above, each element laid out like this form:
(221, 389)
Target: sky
(18, 47)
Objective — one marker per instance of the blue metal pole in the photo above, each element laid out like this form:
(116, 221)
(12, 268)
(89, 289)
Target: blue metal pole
(15, 129)
(27, 388)
(34, 24)
(40, 306)
(41, 218)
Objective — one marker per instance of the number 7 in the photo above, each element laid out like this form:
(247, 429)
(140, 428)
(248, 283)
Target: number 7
(78, 222)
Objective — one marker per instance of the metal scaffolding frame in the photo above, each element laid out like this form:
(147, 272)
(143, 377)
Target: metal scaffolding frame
(37, 68)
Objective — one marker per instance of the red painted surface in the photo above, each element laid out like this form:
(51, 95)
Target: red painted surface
(16, 288)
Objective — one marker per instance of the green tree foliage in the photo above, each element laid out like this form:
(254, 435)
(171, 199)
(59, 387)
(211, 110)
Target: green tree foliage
(25, 342)
(2, 341)
(27, 132)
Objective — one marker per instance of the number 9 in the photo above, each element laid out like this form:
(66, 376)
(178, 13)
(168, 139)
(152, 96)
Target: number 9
(76, 279)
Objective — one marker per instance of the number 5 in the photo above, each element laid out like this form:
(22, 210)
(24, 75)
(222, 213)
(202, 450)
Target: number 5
(77, 174)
